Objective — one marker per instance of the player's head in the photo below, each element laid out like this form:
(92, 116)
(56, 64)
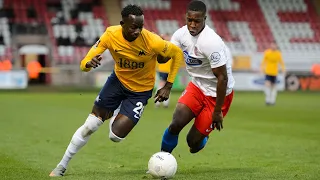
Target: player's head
(196, 16)
(273, 46)
(132, 22)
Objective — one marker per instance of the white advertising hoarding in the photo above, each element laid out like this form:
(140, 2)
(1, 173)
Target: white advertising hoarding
(101, 78)
(16, 79)
(253, 81)
(244, 81)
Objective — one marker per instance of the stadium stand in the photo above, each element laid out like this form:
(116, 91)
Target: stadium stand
(76, 26)
(5, 33)
(72, 25)
(247, 26)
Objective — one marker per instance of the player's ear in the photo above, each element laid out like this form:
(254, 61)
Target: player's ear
(121, 23)
(205, 17)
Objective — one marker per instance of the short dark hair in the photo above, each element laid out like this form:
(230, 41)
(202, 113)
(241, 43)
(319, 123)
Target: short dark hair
(131, 9)
(197, 6)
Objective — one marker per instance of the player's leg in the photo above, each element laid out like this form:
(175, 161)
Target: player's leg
(181, 117)
(131, 110)
(268, 90)
(121, 127)
(105, 103)
(273, 93)
(115, 113)
(196, 140)
(199, 133)
(189, 105)
(80, 138)
(166, 103)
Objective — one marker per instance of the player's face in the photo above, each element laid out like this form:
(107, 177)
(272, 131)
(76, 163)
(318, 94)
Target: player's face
(132, 27)
(274, 46)
(195, 22)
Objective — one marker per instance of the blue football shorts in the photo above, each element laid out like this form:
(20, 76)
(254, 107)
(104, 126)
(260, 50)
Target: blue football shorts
(272, 79)
(114, 93)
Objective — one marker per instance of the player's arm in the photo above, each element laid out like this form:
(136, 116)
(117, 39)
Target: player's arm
(171, 51)
(93, 57)
(283, 68)
(264, 62)
(221, 74)
(216, 53)
(162, 60)
(175, 40)
(167, 49)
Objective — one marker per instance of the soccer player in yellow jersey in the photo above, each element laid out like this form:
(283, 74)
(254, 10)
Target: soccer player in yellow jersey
(270, 64)
(135, 52)
(163, 70)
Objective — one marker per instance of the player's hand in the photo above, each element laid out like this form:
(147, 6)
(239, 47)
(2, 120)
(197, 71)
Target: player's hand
(163, 93)
(217, 119)
(95, 62)
(284, 73)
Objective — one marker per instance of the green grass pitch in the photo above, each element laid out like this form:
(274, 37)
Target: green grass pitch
(257, 142)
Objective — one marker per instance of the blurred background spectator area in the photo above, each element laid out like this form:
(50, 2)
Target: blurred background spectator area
(64, 30)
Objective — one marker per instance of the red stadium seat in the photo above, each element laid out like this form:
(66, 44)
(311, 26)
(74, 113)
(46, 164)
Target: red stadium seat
(253, 12)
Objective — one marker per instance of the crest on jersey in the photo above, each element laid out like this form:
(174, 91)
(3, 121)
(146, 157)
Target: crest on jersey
(165, 49)
(141, 53)
(191, 61)
(215, 57)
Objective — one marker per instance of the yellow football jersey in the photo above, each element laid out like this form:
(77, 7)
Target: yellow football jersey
(135, 62)
(271, 61)
(164, 67)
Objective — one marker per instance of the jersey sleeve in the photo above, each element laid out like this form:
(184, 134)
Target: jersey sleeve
(264, 60)
(168, 49)
(281, 62)
(215, 51)
(175, 38)
(98, 48)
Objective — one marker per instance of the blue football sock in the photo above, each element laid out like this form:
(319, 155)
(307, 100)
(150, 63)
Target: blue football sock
(203, 143)
(169, 141)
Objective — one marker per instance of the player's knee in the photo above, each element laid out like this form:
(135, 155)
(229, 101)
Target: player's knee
(91, 125)
(113, 137)
(178, 121)
(175, 128)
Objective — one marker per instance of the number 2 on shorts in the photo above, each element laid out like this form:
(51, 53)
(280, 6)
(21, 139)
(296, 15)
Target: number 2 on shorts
(138, 110)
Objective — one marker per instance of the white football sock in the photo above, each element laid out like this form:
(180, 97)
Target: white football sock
(158, 104)
(166, 103)
(80, 138)
(274, 93)
(268, 93)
